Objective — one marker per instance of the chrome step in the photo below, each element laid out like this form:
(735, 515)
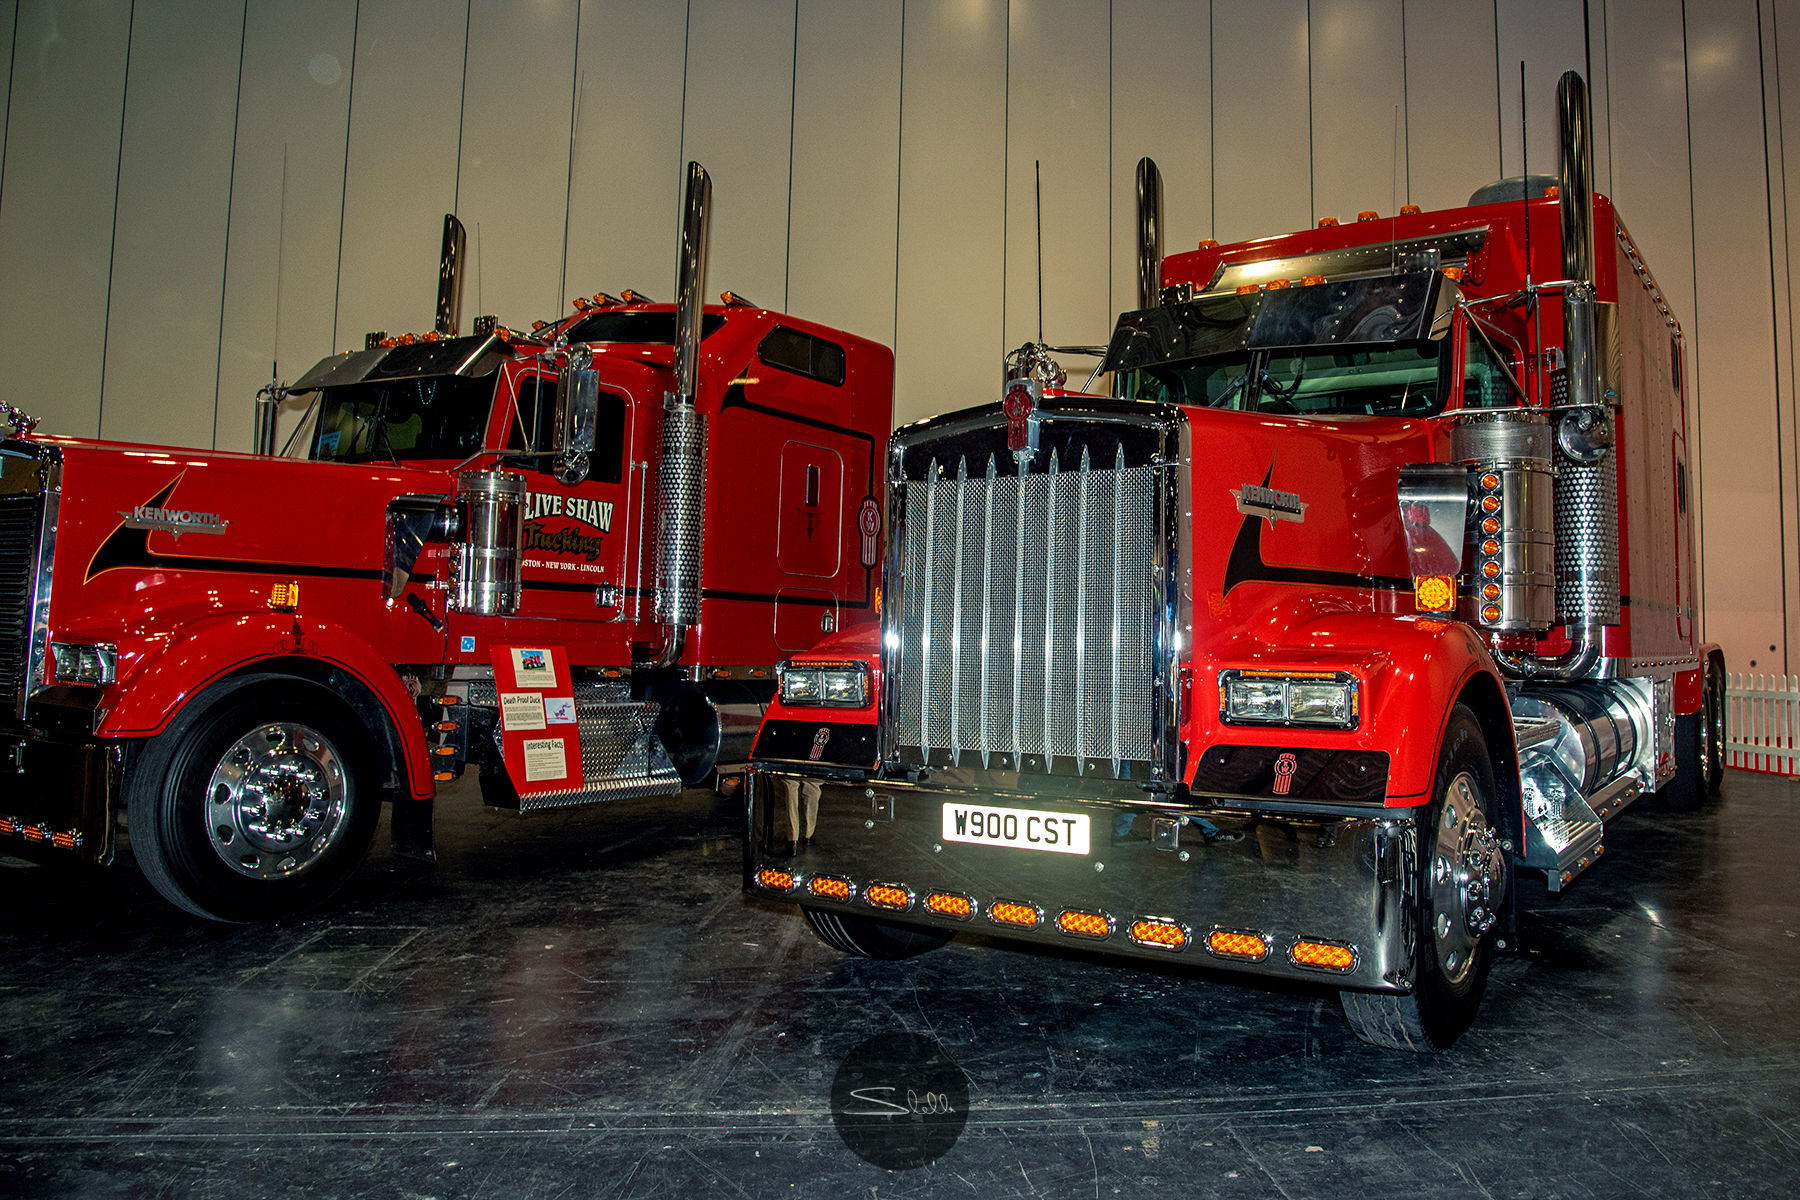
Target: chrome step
(621, 758)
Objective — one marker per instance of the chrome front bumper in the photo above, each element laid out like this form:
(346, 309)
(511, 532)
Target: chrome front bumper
(1339, 879)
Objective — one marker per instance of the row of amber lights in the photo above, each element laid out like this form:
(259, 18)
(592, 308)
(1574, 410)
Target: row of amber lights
(1367, 214)
(1145, 931)
(62, 839)
(1490, 547)
(1276, 285)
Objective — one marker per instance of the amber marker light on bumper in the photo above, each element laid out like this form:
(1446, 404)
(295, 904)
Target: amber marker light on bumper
(888, 895)
(829, 887)
(1085, 924)
(1011, 912)
(774, 880)
(1227, 943)
(950, 904)
(1323, 956)
(1154, 931)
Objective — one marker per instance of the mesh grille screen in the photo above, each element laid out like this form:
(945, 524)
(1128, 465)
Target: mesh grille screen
(1027, 614)
(18, 564)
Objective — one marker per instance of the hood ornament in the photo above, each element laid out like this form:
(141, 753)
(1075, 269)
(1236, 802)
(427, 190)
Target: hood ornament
(21, 423)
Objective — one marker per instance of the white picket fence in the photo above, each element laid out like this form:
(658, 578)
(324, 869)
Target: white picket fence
(1762, 723)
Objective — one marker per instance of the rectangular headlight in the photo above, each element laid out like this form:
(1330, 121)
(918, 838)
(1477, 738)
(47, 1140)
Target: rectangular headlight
(840, 684)
(1329, 699)
(85, 665)
(799, 687)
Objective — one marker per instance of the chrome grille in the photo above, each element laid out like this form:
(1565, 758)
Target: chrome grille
(19, 524)
(1025, 615)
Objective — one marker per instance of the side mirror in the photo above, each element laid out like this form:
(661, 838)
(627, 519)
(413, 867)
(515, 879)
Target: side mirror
(577, 401)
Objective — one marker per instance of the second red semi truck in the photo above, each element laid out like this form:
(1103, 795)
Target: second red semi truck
(1368, 587)
(569, 559)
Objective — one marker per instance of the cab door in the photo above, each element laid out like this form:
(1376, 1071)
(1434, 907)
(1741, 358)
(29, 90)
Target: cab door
(577, 538)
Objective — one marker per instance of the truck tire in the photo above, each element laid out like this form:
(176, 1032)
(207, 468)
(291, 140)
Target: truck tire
(1714, 729)
(1699, 748)
(869, 938)
(1460, 881)
(1688, 789)
(257, 804)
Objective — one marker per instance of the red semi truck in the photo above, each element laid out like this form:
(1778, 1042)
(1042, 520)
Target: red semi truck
(1369, 586)
(610, 529)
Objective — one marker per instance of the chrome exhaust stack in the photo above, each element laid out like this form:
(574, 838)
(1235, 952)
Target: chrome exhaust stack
(1149, 234)
(681, 470)
(450, 279)
(1587, 483)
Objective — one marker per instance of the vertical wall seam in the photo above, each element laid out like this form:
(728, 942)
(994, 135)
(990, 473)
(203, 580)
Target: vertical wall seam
(337, 283)
(1787, 252)
(1212, 121)
(230, 196)
(687, 45)
(1406, 101)
(1005, 173)
(1697, 458)
(899, 172)
(787, 264)
(462, 114)
(1499, 100)
(562, 275)
(1776, 308)
(1112, 16)
(12, 79)
(112, 250)
(1312, 165)
(1606, 32)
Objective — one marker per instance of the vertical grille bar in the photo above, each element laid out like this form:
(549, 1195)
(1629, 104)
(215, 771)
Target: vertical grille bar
(1081, 623)
(1118, 598)
(987, 603)
(960, 556)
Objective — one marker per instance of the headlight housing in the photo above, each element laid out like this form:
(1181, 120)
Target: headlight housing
(1330, 699)
(835, 684)
(85, 666)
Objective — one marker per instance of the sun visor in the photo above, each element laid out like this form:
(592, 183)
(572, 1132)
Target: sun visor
(476, 355)
(1371, 311)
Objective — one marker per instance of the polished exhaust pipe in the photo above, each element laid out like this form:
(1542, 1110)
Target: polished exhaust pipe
(681, 471)
(1149, 234)
(450, 280)
(1587, 482)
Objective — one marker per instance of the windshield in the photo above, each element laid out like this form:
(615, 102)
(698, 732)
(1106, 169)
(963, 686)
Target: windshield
(1410, 379)
(441, 416)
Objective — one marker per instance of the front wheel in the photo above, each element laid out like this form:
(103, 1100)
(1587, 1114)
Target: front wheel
(1460, 881)
(868, 938)
(256, 806)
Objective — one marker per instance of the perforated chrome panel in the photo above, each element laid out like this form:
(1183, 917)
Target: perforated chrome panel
(1023, 636)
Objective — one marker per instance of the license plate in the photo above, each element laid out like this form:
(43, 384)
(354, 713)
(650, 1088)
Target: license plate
(1020, 828)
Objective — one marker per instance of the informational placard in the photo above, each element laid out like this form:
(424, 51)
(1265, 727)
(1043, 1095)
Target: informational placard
(538, 733)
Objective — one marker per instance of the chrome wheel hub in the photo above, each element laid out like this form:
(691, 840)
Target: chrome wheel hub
(276, 801)
(1467, 880)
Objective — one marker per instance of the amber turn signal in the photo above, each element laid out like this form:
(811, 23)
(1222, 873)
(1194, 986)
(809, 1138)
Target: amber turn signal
(1226, 944)
(1087, 924)
(1434, 593)
(1008, 913)
(1327, 956)
(887, 895)
(950, 904)
(1152, 932)
(830, 887)
(774, 880)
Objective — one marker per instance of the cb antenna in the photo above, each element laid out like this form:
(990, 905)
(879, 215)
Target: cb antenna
(1037, 171)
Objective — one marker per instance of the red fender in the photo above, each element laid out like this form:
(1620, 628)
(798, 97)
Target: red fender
(1412, 669)
(151, 690)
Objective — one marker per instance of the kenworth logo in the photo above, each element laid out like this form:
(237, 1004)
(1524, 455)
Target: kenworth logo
(1253, 500)
(176, 521)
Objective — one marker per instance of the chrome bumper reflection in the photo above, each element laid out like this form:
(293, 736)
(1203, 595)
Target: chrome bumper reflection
(1335, 880)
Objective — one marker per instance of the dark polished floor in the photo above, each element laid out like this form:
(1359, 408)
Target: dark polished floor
(585, 1004)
